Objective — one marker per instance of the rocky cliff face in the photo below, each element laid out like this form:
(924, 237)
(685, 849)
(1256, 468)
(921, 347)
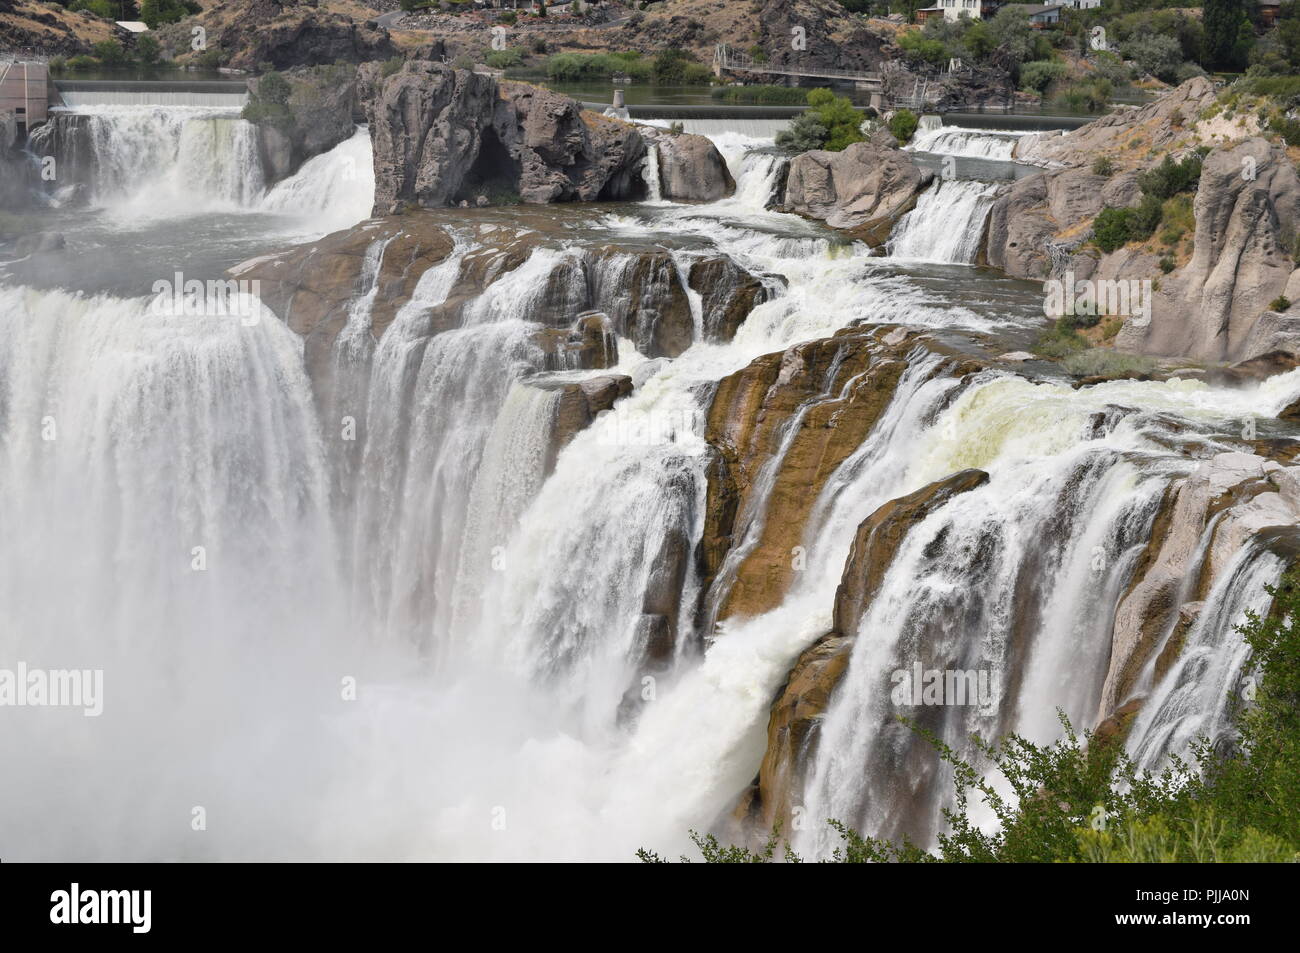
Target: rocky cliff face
(765, 476)
(1247, 213)
(444, 136)
(1247, 219)
(864, 190)
(283, 33)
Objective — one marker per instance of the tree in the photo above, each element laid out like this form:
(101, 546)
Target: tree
(903, 125)
(147, 50)
(1158, 55)
(1225, 45)
(274, 89)
(109, 52)
(830, 123)
(157, 13)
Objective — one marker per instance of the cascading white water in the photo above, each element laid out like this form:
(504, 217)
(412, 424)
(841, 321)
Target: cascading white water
(331, 191)
(947, 223)
(969, 143)
(488, 613)
(654, 193)
(142, 163)
(156, 161)
(1196, 697)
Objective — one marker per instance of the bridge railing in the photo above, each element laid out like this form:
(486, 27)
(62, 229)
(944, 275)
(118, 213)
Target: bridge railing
(729, 59)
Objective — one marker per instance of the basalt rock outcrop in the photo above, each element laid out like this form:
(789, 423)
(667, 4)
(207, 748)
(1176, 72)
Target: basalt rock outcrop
(322, 111)
(1160, 125)
(690, 167)
(802, 701)
(443, 136)
(1205, 302)
(863, 190)
(582, 297)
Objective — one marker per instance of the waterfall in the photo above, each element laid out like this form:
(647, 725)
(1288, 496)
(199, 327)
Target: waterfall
(947, 223)
(650, 172)
(154, 161)
(758, 178)
(168, 471)
(970, 143)
(1195, 698)
(523, 627)
(331, 191)
(149, 162)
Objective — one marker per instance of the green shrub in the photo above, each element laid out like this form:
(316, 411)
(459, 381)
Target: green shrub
(1040, 74)
(391, 66)
(504, 59)
(1089, 95)
(1145, 219)
(1103, 362)
(805, 132)
(1110, 229)
(1059, 340)
(831, 122)
(1280, 303)
(1169, 177)
(109, 52)
(147, 50)
(273, 89)
(771, 95)
(1102, 165)
(82, 61)
(1167, 264)
(903, 125)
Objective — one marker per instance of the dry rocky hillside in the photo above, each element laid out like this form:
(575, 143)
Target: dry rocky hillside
(31, 26)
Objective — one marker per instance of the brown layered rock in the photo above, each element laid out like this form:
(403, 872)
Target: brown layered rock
(863, 190)
(311, 287)
(580, 402)
(832, 391)
(588, 345)
(878, 538)
(443, 136)
(800, 704)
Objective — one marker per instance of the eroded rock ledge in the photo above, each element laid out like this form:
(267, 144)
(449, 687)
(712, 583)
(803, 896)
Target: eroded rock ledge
(639, 290)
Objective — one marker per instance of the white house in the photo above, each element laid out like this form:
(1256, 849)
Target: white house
(956, 9)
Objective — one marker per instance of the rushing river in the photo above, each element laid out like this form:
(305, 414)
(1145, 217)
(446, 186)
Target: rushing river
(425, 653)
